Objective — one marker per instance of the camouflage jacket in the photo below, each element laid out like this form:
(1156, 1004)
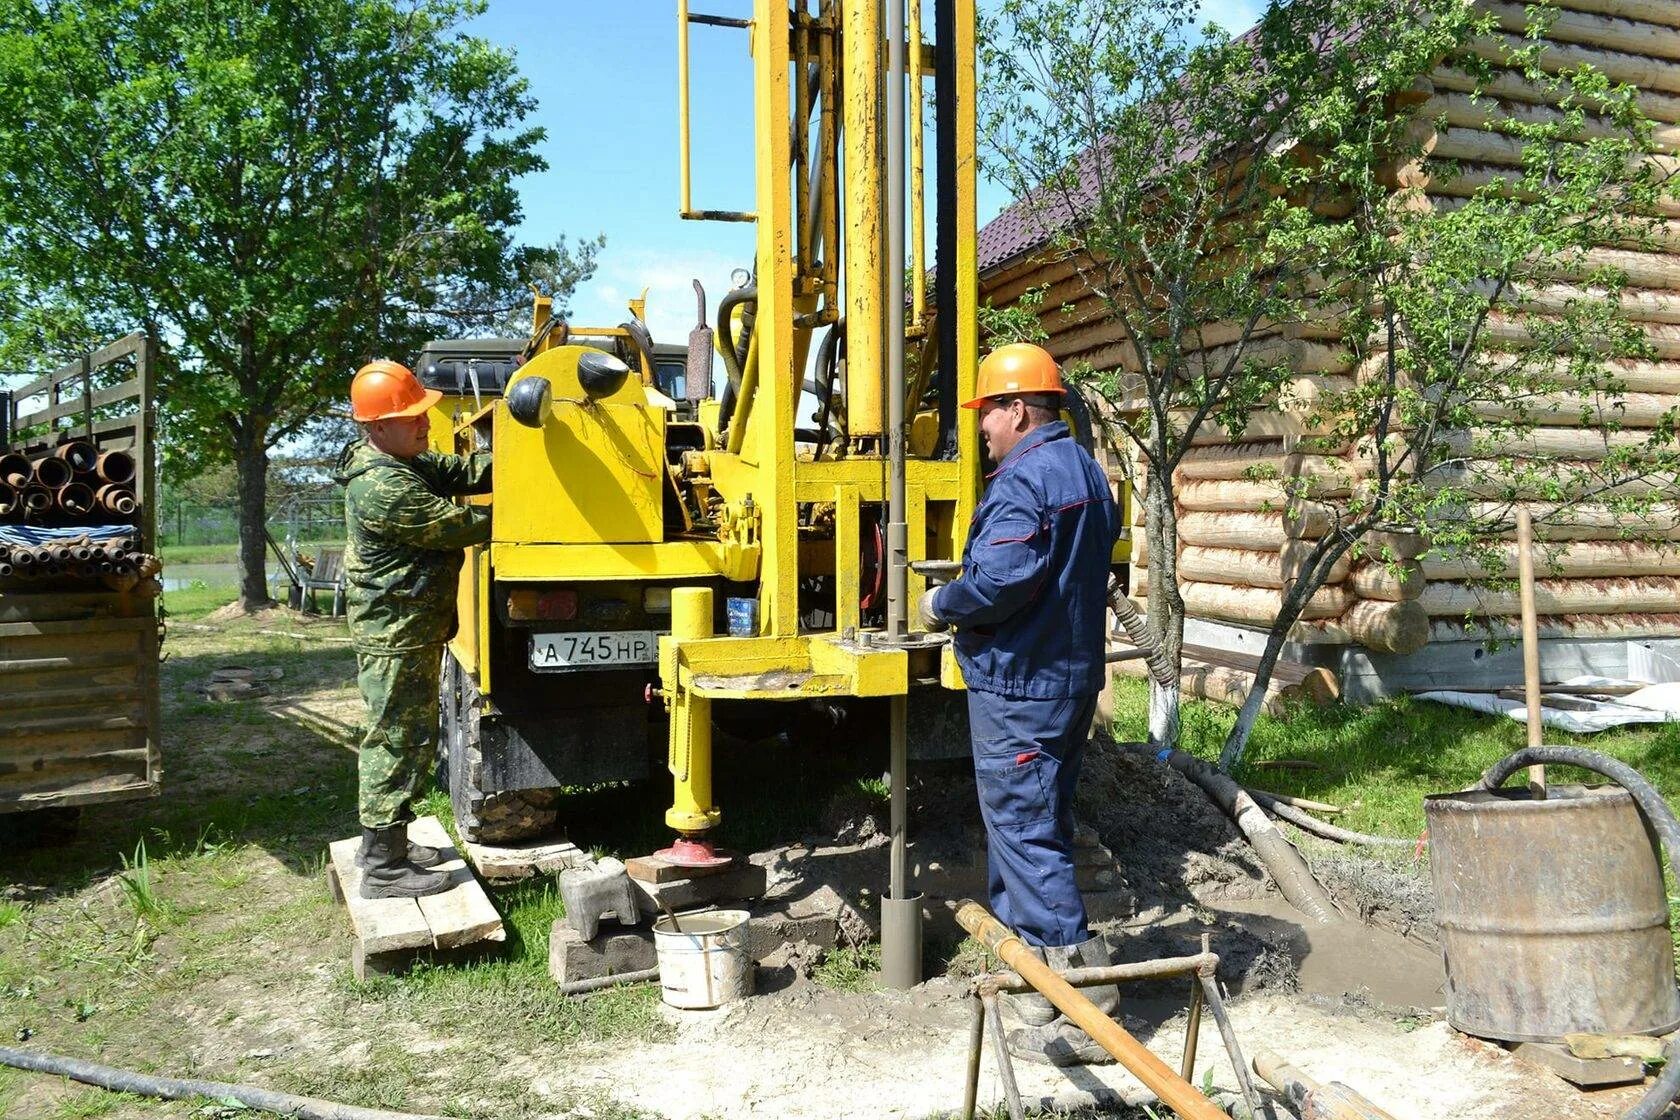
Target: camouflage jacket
(403, 550)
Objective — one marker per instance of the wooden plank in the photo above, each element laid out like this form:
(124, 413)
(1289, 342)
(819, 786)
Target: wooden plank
(30, 629)
(381, 924)
(522, 860)
(107, 787)
(463, 913)
(1588, 1073)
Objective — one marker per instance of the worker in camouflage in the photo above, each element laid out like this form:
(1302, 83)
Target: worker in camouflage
(402, 561)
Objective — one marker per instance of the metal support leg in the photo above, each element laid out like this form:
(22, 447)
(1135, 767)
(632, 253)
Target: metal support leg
(1210, 992)
(976, 1043)
(690, 760)
(1011, 1092)
(1192, 1032)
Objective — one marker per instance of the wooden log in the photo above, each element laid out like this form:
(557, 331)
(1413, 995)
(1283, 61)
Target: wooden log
(1250, 567)
(1266, 425)
(1597, 31)
(1543, 443)
(1652, 11)
(1462, 111)
(1625, 410)
(1262, 532)
(1510, 85)
(1232, 460)
(1306, 519)
(1238, 495)
(1584, 521)
(1653, 270)
(1473, 178)
(1643, 595)
(1300, 355)
(1523, 480)
(1395, 583)
(1386, 627)
(1572, 560)
(1634, 69)
(1471, 145)
(1227, 685)
(1257, 604)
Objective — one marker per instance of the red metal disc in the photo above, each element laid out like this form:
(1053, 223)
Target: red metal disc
(692, 853)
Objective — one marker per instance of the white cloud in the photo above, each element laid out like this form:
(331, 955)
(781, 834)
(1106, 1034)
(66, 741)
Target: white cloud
(668, 278)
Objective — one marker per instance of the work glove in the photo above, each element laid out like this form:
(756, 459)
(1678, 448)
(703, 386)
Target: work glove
(930, 617)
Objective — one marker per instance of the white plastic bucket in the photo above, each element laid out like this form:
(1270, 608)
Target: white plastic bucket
(709, 963)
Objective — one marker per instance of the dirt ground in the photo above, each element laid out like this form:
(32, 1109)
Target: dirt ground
(225, 958)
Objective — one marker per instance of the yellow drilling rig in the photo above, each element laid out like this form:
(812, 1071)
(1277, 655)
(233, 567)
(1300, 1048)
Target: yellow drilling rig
(652, 560)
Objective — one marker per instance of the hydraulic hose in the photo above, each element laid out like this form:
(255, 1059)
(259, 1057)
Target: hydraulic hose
(176, 1089)
(1306, 823)
(1294, 878)
(730, 347)
(1661, 818)
(1137, 630)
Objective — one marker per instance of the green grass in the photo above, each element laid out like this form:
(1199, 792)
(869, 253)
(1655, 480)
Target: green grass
(197, 599)
(1380, 762)
(224, 553)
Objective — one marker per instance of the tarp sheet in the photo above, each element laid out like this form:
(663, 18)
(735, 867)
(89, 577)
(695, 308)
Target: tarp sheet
(1655, 703)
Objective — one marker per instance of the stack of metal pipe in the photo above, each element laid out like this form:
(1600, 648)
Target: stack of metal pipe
(73, 483)
(113, 561)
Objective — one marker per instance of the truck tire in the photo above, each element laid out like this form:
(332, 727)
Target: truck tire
(484, 817)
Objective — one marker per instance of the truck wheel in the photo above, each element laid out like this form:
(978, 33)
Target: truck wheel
(485, 817)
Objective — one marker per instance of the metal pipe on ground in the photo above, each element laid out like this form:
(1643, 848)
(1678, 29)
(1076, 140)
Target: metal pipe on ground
(1176, 1093)
(8, 498)
(1315, 1101)
(1302, 821)
(178, 1089)
(601, 983)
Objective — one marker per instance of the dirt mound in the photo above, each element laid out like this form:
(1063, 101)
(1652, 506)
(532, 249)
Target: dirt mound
(233, 611)
(1172, 844)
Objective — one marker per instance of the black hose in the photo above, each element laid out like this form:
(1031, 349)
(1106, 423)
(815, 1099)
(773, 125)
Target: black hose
(733, 349)
(828, 370)
(1138, 631)
(176, 1089)
(1660, 817)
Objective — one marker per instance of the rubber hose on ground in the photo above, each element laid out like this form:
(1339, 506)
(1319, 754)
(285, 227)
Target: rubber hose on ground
(1160, 668)
(1300, 819)
(1294, 878)
(1661, 818)
(175, 1089)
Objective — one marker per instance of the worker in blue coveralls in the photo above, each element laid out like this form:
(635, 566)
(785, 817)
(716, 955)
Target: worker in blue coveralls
(1029, 616)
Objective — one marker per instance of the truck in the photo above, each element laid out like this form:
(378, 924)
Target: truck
(80, 631)
(660, 558)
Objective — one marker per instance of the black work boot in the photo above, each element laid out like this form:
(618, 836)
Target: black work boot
(418, 854)
(389, 873)
(1060, 1042)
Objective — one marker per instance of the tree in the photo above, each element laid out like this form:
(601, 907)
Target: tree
(1476, 323)
(1162, 163)
(1215, 198)
(278, 192)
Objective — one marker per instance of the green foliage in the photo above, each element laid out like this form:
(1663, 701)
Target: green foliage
(850, 968)
(1214, 193)
(1016, 322)
(277, 192)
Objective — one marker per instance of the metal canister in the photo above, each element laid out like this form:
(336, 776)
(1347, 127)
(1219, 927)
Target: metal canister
(1552, 913)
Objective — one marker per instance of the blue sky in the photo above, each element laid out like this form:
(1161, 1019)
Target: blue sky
(604, 78)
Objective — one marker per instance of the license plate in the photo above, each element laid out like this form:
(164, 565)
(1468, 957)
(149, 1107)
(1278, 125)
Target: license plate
(590, 649)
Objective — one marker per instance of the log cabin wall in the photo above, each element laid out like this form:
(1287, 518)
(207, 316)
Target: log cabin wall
(1238, 543)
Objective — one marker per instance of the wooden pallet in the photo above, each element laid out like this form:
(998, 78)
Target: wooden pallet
(393, 933)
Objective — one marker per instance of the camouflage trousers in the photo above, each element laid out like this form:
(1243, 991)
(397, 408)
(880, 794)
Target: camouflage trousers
(399, 749)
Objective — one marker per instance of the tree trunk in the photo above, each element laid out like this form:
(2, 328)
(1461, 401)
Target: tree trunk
(251, 460)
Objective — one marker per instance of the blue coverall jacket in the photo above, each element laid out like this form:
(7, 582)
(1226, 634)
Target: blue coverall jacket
(1029, 613)
(1030, 608)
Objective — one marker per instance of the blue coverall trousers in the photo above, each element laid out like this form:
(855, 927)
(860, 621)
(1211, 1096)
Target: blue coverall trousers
(1027, 755)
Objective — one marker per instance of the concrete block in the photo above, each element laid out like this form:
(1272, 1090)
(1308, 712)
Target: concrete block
(814, 919)
(593, 893)
(1588, 1073)
(571, 958)
(742, 882)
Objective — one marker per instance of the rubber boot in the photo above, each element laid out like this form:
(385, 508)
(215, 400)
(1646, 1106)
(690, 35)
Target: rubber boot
(1029, 1008)
(1059, 1042)
(388, 872)
(418, 854)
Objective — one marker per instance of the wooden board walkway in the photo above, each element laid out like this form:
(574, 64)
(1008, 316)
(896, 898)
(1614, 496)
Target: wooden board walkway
(392, 933)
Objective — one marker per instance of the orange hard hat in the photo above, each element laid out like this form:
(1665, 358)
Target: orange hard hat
(1015, 369)
(385, 390)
